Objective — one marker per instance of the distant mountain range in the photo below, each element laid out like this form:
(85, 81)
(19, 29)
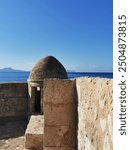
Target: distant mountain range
(9, 69)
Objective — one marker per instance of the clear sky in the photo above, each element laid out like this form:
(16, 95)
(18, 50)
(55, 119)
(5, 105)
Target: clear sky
(77, 32)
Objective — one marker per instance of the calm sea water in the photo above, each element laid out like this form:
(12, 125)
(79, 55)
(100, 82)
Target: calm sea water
(23, 76)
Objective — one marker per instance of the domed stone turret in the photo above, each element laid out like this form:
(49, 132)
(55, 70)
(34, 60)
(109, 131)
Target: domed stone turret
(48, 67)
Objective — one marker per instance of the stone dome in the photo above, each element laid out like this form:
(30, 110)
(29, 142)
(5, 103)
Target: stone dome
(48, 67)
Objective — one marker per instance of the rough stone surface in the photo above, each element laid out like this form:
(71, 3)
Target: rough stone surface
(59, 91)
(13, 99)
(48, 67)
(58, 115)
(59, 136)
(94, 113)
(34, 133)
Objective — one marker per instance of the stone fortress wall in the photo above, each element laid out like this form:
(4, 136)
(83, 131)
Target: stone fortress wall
(77, 113)
(13, 100)
(95, 113)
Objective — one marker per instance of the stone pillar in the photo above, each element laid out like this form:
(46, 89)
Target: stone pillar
(60, 115)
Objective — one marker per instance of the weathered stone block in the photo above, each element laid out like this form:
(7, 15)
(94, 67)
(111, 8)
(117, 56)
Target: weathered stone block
(59, 136)
(34, 133)
(60, 114)
(34, 142)
(59, 91)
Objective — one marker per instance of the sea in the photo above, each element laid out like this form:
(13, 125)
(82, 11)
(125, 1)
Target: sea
(23, 76)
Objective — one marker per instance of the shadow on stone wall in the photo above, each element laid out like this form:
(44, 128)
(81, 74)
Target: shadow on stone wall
(12, 128)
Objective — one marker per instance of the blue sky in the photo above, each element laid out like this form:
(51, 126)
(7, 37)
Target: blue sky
(77, 32)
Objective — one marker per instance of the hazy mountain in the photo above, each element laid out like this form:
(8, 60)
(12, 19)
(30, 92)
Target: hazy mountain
(9, 69)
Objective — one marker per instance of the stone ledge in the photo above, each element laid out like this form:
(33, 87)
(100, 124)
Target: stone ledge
(34, 133)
